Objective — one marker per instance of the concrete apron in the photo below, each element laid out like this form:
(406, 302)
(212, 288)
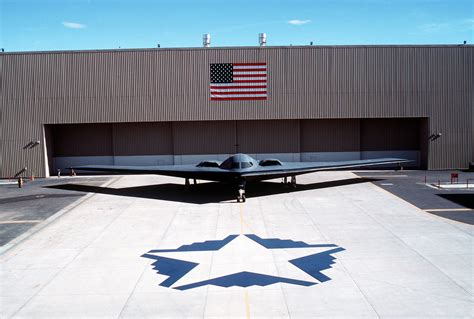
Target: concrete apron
(348, 250)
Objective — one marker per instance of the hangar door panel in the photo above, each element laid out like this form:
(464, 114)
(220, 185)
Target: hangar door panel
(207, 137)
(351, 139)
(82, 140)
(278, 136)
(392, 138)
(132, 139)
(389, 134)
(334, 135)
(109, 144)
(330, 140)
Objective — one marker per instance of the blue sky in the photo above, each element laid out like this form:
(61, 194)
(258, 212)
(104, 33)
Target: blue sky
(38, 25)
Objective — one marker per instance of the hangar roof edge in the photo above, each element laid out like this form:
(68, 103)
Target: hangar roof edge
(239, 48)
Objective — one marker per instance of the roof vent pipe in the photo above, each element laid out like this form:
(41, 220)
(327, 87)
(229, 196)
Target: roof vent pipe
(206, 40)
(262, 39)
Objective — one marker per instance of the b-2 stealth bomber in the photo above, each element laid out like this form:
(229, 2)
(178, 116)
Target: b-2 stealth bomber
(239, 169)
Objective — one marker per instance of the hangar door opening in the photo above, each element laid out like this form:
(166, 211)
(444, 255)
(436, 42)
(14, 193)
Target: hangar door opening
(164, 143)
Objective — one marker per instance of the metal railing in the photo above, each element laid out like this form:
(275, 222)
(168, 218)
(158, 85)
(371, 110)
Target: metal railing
(439, 183)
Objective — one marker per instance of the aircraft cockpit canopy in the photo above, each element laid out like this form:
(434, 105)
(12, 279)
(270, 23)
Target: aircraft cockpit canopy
(238, 161)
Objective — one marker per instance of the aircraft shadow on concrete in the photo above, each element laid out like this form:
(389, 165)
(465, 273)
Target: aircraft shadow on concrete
(206, 192)
(463, 199)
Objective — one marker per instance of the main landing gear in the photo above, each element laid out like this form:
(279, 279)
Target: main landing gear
(188, 184)
(292, 181)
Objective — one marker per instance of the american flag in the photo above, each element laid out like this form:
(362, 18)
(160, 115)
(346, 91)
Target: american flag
(238, 81)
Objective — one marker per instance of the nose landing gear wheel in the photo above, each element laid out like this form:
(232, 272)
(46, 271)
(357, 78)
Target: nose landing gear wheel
(241, 196)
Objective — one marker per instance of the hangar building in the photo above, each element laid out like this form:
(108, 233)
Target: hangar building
(154, 106)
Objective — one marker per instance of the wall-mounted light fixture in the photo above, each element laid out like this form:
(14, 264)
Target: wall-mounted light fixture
(31, 144)
(435, 136)
(22, 171)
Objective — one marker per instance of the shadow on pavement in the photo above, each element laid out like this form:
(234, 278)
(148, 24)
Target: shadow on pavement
(463, 199)
(462, 217)
(17, 199)
(206, 192)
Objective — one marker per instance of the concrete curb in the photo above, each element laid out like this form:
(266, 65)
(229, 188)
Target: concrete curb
(14, 242)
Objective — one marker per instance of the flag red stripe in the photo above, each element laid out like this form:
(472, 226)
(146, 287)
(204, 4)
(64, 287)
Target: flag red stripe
(237, 98)
(239, 92)
(250, 70)
(239, 87)
(249, 64)
(250, 81)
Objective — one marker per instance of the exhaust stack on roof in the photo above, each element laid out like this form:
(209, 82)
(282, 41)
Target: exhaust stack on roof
(262, 39)
(206, 40)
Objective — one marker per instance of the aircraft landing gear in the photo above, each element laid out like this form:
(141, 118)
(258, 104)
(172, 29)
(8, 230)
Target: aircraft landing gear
(241, 191)
(293, 181)
(187, 184)
(241, 195)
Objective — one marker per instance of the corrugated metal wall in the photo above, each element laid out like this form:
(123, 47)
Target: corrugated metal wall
(313, 82)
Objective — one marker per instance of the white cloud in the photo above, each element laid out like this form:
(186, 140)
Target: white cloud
(449, 26)
(467, 24)
(433, 27)
(74, 25)
(298, 22)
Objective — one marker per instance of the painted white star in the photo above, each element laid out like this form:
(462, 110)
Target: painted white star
(243, 255)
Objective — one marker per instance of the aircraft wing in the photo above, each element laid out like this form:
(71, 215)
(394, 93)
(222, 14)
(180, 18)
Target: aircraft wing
(298, 168)
(184, 171)
(224, 175)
